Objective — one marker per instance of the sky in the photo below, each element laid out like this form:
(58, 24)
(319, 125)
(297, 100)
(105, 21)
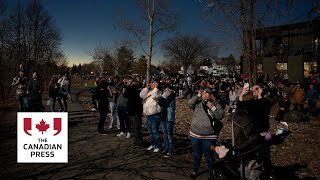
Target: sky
(87, 24)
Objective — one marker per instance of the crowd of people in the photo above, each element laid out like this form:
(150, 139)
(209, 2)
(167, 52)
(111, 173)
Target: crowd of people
(29, 91)
(126, 100)
(210, 98)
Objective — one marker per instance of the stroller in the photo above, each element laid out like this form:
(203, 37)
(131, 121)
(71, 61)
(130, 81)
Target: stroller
(243, 158)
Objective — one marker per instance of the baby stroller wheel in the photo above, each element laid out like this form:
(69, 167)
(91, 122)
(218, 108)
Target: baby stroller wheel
(223, 173)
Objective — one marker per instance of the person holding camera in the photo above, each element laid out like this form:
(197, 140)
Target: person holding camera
(168, 104)
(21, 84)
(259, 108)
(53, 92)
(150, 95)
(102, 95)
(205, 128)
(64, 84)
(135, 109)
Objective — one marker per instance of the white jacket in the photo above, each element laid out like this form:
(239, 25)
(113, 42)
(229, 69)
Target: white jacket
(150, 101)
(64, 83)
(232, 95)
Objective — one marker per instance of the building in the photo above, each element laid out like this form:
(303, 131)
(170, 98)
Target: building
(207, 69)
(219, 70)
(189, 71)
(290, 48)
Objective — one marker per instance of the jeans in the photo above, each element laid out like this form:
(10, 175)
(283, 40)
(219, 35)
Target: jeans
(113, 111)
(64, 98)
(136, 122)
(199, 147)
(103, 115)
(167, 127)
(125, 125)
(22, 103)
(52, 103)
(312, 105)
(153, 123)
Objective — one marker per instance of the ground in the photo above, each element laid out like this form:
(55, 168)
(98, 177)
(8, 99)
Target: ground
(295, 158)
(92, 156)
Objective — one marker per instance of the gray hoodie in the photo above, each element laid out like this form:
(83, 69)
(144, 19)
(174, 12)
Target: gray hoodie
(201, 123)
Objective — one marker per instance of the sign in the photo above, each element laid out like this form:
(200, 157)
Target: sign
(42, 137)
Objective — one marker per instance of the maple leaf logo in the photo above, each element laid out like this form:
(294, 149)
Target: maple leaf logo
(42, 126)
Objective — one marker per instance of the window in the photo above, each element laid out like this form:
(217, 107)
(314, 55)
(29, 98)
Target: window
(282, 66)
(309, 68)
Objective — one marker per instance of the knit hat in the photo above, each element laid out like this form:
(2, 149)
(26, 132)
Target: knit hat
(208, 90)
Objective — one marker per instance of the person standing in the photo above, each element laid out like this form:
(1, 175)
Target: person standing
(284, 105)
(21, 84)
(232, 99)
(53, 92)
(63, 93)
(103, 94)
(116, 90)
(205, 128)
(122, 109)
(151, 109)
(312, 97)
(35, 89)
(135, 110)
(35, 86)
(259, 108)
(298, 98)
(167, 102)
(92, 91)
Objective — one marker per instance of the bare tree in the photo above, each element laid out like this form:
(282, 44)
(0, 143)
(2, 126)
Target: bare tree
(30, 36)
(157, 18)
(120, 60)
(245, 16)
(124, 59)
(33, 37)
(170, 67)
(140, 66)
(102, 57)
(229, 62)
(188, 49)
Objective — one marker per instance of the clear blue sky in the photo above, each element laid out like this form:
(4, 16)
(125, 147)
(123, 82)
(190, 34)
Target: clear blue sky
(87, 23)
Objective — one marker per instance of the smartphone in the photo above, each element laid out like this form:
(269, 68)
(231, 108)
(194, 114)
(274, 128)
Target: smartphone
(246, 86)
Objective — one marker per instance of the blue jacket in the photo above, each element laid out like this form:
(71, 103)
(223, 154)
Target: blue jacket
(312, 95)
(168, 107)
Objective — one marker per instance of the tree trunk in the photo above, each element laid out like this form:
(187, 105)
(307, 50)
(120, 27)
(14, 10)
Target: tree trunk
(253, 54)
(246, 44)
(150, 51)
(185, 68)
(151, 14)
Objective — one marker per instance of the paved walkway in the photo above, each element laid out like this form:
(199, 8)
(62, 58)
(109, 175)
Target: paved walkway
(91, 156)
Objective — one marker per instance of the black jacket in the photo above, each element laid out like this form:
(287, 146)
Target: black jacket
(260, 110)
(135, 106)
(102, 95)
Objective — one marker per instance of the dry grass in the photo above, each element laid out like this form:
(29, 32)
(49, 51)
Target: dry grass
(298, 154)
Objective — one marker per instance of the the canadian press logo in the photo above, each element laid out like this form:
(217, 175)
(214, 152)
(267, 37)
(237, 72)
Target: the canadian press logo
(42, 137)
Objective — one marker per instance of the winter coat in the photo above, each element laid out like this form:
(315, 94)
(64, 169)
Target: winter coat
(312, 95)
(168, 105)
(298, 96)
(201, 123)
(150, 101)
